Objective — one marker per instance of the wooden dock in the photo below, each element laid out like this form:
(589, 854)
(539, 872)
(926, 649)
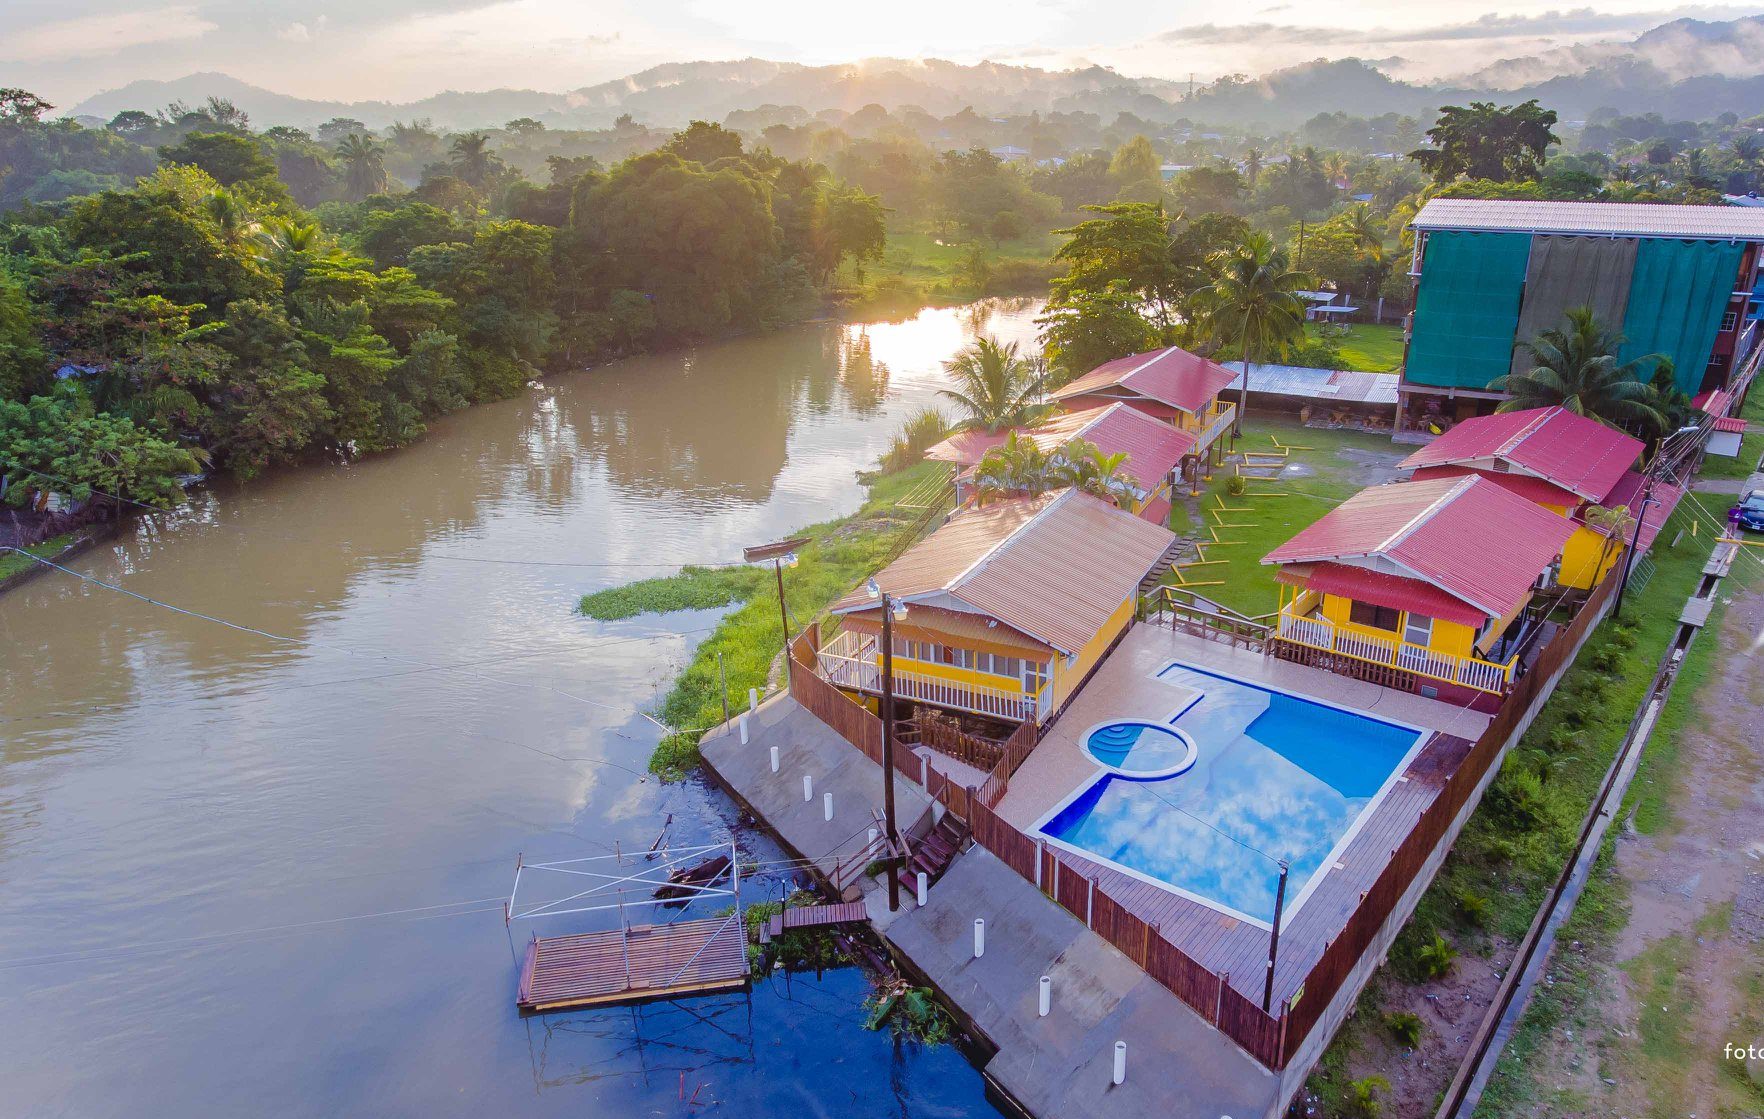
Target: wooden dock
(811, 916)
(633, 964)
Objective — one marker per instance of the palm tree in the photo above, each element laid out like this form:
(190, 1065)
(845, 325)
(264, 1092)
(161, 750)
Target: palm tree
(1253, 303)
(364, 165)
(231, 217)
(1083, 466)
(1747, 152)
(472, 158)
(1364, 227)
(1014, 468)
(994, 387)
(1252, 165)
(1577, 369)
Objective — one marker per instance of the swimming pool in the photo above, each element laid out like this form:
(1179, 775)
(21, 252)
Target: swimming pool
(1275, 775)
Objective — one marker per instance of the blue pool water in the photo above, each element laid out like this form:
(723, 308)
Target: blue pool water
(1277, 776)
(1137, 746)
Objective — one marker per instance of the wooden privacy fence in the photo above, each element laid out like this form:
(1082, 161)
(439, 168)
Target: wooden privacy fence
(1273, 1039)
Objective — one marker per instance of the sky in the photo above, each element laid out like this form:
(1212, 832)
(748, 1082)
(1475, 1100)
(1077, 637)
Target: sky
(400, 50)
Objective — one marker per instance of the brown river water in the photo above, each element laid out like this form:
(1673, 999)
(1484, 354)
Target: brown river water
(253, 863)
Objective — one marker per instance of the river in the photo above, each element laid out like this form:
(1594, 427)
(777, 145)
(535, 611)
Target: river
(254, 862)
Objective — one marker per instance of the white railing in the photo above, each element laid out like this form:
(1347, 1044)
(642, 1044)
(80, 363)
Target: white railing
(1472, 672)
(1217, 426)
(849, 661)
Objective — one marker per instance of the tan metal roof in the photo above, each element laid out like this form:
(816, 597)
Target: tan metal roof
(929, 623)
(1598, 219)
(1054, 567)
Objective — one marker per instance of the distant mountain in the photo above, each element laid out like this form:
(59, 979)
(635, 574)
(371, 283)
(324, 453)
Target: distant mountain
(674, 93)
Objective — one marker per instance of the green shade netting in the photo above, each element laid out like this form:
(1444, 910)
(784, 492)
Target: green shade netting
(1675, 304)
(1467, 310)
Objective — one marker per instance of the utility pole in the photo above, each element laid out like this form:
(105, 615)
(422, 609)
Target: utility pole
(782, 553)
(1274, 938)
(1634, 541)
(889, 605)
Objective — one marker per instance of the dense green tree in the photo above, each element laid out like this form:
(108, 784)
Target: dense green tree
(1088, 328)
(702, 142)
(364, 165)
(1136, 161)
(24, 366)
(389, 235)
(1127, 243)
(227, 158)
(1487, 141)
(60, 444)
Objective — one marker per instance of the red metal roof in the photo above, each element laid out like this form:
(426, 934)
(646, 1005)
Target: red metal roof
(1396, 592)
(1627, 493)
(1574, 452)
(1730, 423)
(1528, 486)
(1171, 376)
(1713, 401)
(1153, 448)
(1466, 536)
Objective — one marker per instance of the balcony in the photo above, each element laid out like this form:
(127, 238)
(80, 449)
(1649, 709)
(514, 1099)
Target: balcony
(849, 661)
(1393, 652)
(1211, 423)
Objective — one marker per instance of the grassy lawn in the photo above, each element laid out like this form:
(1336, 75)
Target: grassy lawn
(1369, 348)
(12, 563)
(841, 554)
(918, 265)
(1332, 466)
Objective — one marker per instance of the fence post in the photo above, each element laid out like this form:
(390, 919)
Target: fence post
(1089, 900)
(1219, 995)
(1038, 864)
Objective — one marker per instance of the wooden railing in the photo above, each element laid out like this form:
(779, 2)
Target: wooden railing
(1472, 672)
(849, 661)
(1209, 425)
(1195, 613)
(951, 741)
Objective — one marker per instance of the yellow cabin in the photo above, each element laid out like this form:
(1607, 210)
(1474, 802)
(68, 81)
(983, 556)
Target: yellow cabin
(1418, 584)
(1007, 607)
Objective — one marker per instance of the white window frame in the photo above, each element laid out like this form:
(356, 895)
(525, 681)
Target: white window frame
(1409, 621)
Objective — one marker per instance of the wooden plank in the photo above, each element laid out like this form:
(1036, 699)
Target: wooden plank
(643, 962)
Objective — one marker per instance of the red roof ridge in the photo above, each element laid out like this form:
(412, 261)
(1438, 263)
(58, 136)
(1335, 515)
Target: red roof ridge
(1456, 491)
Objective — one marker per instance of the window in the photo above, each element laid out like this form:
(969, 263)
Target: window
(1000, 666)
(1378, 617)
(1729, 320)
(1418, 630)
(1034, 676)
(956, 658)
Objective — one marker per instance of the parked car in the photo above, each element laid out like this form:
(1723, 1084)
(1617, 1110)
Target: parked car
(1749, 513)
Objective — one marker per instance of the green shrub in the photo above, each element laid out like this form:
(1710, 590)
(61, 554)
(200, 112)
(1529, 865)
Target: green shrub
(1517, 797)
(1435, 959)
(1472, 908)
(1236, 485)
(1404, 1027)
(675, 755)
(1361, 1100)
(1607, 659)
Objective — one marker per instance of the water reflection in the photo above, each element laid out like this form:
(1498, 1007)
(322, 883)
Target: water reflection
(423, 712)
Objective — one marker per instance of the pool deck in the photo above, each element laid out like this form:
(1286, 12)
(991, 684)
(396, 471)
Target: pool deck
(1125, 686)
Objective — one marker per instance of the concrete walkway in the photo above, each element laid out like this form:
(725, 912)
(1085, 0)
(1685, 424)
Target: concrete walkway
(806, 746)
(1060, 1066)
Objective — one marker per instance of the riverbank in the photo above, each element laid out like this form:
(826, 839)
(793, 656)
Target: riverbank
(739, 653)
(17, 569)
(1413, 1024)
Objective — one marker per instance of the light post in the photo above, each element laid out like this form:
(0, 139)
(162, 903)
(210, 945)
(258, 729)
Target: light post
(893, 609)
(782, 554)
(1274, 937)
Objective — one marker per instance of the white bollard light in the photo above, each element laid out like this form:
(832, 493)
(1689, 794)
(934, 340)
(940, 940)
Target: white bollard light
(743, 725)
(774, 756)
(979, 937)
(827, 805)
(753, 699)
(1046, 1002)
(808, 788)
(924, 886)
(1120, 1061)
(871, 841)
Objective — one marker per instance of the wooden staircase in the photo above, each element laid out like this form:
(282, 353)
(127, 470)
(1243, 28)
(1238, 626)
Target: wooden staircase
(934, 853)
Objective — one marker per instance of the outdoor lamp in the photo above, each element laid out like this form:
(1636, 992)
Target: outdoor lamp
(874, 590)
(899, 610)
(790, 559)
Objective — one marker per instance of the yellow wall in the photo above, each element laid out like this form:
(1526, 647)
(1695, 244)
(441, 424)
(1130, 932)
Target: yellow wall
(1065, 678)
(1580, 559)
(1451, 638)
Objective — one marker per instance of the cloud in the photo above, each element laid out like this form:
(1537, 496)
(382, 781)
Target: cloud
(100, 35)
(298, 32)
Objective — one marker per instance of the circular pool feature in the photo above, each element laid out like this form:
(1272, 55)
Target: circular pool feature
(1140, 748)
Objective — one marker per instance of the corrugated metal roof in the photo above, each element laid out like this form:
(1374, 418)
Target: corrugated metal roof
(1394, 592)
(1170, 376)
(1466, 536)
(1598, 219)
(1152, 446)
(1054, 567)
(1319, 384)
(1627, 493)
(1528, 486)
(1730, 424)
(929, 623)
(1579, 454)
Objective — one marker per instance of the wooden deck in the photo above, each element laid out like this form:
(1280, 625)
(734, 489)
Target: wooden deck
(812, 916)
(1239, 950)
(629, 965)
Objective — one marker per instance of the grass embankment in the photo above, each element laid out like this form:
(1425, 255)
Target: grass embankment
(1521, 835)
(11, 563)
(1367, 347)
(841, 553)
(1332, 466)
(920, 267)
